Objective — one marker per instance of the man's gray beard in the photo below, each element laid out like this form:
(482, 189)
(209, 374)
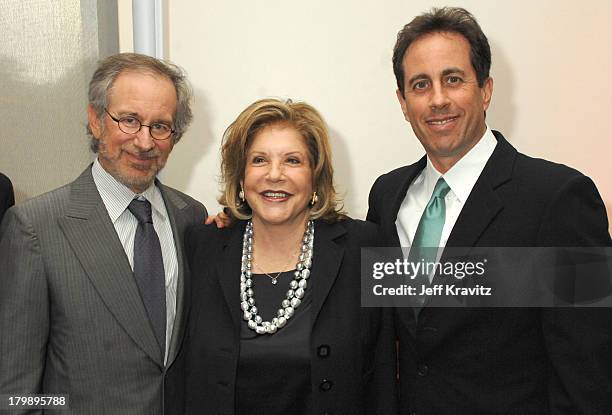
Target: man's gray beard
(141, 184)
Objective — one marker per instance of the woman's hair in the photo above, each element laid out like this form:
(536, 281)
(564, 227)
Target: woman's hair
(305, 120)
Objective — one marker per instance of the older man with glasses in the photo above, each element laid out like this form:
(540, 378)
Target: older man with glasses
(92, 282)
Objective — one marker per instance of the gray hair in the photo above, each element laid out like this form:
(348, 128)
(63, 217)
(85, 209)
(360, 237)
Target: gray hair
(111, 67)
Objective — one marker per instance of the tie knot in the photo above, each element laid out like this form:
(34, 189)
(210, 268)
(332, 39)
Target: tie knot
(141, 209)
(441, 188)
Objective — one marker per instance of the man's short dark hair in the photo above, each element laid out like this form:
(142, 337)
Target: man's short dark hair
(445, 19)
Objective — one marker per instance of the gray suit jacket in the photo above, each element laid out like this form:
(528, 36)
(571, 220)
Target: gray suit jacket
(71, 317)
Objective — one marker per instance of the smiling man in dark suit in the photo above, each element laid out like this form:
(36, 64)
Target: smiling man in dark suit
(92, 278)
(474, 189)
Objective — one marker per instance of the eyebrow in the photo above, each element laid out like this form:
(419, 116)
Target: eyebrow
(450, 71)
(127, 113)
(139, 117)
(445, 72)
(266, 152)
(251, 153)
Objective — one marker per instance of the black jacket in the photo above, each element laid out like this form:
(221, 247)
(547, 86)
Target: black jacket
(506, 361)
(7, 197)
(356, 373)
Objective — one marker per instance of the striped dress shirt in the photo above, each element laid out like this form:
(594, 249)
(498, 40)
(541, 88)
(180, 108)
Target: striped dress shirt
(116, 198)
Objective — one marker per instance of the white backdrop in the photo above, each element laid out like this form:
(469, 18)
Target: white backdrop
(552, 67)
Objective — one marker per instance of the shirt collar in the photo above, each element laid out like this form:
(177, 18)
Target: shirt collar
(462, 177)
(116, 196)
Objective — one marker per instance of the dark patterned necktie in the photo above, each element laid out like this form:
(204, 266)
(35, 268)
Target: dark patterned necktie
(149, 269)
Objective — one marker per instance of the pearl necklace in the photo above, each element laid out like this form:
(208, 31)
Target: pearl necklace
(297, 286)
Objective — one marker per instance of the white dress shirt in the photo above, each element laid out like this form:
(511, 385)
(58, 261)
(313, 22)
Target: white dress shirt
(460, 178)
(116, 198)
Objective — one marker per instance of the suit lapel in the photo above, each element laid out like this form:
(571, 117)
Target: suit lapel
(178, 222)
(228, 272)
(484, 204)
(405, 314)
(326, 262)
(481, 207)
(399, 196)
(95, 243)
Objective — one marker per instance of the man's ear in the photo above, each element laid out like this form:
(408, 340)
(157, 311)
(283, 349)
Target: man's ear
(487, 93)
(95, 124)
(402, 101)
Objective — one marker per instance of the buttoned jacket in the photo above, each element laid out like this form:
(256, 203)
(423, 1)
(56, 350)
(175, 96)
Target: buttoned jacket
(351, 369)
(503, 360)
(71, 318)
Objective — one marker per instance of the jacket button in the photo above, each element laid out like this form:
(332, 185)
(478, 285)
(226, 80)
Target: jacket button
(326, 385)
(323, 351)
(422, 370)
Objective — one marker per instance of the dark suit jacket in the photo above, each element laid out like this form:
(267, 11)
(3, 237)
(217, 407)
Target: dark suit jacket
(7, 196)
(357, 362)
(71, 317)
(506, 361)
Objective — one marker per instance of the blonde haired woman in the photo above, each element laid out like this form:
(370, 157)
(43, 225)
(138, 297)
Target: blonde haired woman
(276, 325)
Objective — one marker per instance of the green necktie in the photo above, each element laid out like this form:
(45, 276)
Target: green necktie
(427, 236)
(432, 221)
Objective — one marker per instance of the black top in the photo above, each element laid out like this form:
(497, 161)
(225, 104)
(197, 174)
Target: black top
(274, 370)
(351, 364)
(7, 197)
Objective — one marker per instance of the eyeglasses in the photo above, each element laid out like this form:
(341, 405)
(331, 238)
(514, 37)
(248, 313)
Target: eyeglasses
(131, 125)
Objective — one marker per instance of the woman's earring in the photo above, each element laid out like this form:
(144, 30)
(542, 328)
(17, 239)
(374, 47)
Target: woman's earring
(241, 197)
(314, 199)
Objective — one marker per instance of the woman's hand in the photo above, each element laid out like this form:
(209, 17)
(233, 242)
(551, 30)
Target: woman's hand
(221, 219)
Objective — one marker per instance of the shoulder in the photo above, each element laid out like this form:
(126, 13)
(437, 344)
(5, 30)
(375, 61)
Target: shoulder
(546, 180)
(360, 228)
(37, 215)
(206, 239)
(543, 172)
(184, 201)
(183, 196)
(5, 182)
(532, 174)
(355, 232)
(395, 176)
(46, 206)
(210, 233)
(386, 187)
(572, 210)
